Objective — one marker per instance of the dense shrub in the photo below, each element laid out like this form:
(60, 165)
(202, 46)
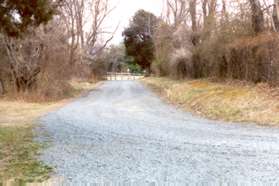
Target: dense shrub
(181, 64)
(238, 40)
(253, 58)
(163, 42)
(234, 51)
(34, 66)
(173, 51)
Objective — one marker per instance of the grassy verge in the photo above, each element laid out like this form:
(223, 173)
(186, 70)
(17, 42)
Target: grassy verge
(18, 150)
(228, 101)
(18, 155)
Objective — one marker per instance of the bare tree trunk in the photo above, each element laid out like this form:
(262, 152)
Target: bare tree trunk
(224, 12)
(257, 16)
(177, 10)
(212, 7)
(74, 19)
(204, 10)
(193, 13)
(2, 89)
(275, 15)
(209, 14)
(212, 13)
(79, 20)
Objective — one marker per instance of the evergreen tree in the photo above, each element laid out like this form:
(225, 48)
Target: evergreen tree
(138, 38)
(17, 15)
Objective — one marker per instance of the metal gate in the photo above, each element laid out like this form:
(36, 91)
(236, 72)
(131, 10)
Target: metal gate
(116, 76)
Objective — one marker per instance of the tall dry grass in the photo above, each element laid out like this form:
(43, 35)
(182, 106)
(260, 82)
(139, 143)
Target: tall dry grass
(229, 101)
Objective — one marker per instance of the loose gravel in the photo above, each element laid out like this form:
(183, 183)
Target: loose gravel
(122, 133)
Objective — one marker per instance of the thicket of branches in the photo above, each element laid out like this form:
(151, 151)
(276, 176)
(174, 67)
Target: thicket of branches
(48, 42)
(235, 39)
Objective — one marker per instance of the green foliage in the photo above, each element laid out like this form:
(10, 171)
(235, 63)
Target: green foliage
(138, 38)
(17, 15)
(132, 65)
(135, 68)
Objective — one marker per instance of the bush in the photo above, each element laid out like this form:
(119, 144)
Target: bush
(163, 42)
(51, 91)
(173, 51)
(253, 58)
(181, 64)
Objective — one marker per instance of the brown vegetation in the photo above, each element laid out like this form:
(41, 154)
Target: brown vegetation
(228, 101)
(233, 40)
(39, 64)
(23, 110)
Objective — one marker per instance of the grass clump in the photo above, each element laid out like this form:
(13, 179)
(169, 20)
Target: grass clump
(18, 155)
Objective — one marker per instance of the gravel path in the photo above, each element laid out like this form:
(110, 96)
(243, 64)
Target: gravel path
(123, 133)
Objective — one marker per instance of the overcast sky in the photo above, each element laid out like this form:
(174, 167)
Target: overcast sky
(125, 9)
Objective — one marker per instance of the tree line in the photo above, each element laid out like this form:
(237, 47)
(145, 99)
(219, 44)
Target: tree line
(235, 39)
(44, 43)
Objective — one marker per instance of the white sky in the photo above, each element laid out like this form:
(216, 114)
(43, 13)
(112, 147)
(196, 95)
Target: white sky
(125, 9)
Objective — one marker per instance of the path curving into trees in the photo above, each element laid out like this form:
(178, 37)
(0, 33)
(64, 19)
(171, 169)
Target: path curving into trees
(122, 133)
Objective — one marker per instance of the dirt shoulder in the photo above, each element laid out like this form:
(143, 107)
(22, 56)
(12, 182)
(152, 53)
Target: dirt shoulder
(227, 101)
(20, 113)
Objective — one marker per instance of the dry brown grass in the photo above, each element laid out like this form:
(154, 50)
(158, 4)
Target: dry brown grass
(82, 86)
(229, 101)
(21, 112)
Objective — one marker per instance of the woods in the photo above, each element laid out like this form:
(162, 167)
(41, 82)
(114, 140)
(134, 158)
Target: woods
(46, 43)
(215, 38)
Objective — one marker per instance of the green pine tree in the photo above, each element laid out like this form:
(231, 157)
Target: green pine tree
(16, 16)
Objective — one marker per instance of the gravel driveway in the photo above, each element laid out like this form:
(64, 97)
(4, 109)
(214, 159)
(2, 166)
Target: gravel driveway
(123, 133)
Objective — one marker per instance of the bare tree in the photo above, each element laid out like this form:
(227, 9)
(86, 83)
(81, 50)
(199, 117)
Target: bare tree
(42, 52)
(209, 16)
(275, 15)
(73, 13)
(44, 58)
(177, 11)
(212, 8)
(100, 10)
(257, 16)
(193, 13)
(86, 42)
(204, 11)
(224, 11)
(24, 61)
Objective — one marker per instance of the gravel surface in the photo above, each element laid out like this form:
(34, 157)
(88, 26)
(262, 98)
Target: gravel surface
(123, 133)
